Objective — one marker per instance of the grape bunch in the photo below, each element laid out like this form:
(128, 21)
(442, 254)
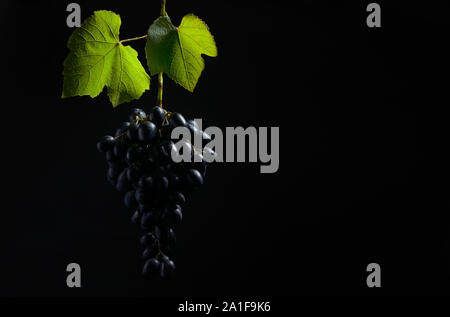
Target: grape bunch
(153, 185)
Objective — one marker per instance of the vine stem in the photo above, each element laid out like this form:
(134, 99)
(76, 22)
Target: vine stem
(160, 89)
(163, 8)
(160, 75)
(134, 39)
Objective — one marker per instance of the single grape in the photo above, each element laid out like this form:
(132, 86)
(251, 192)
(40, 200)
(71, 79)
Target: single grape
(167, 269)
(170, 237)
(137, 113)
(173, 215)
(162, 184)
(106, 143)
(157, 116)
(122, 129)
(132, 132)
(165, 150)
(174, 180)
(147, 239)
(114, 172)
(120, 148)
(177, 198)
(147, 221)
(134, 172)
(110, 157)
(136, 218)
(134, 154)
(166, 131)
(123, 185)
(111, 180)
(153, 155)
(147, 131)
(130, 200)
(145, 182)
(151, 267)
(177, 120)
(194, 178)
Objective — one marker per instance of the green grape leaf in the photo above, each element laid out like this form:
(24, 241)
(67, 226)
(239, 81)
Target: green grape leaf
(97, 59)
(177, 51)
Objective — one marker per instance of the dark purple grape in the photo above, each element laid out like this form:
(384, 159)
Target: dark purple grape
(177, 120)
(114, 172)
(146, 182)
(123, 185)
(162, 184)
(157, 116)
(122, 129)
(106, 143)
(167, 269)
(134, 173)
(134, 154)
(137, 113)
(177, 198)
(166, 131)
(147, 132)
(120, 148)
(165, 150)
(169, 237)
(148, 219)
(194, 178)
(147, 239)
(174, 180)
(130, 200)
(110, 157)
(173, 215)
(136, 218)
(111, 180)
(132, 132)
(151, 267)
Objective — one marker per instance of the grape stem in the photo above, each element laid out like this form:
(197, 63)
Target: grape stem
(120, 135)
(160, 253)
(133, 39)
(163, 8)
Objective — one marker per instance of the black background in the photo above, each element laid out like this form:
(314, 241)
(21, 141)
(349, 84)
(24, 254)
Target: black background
(363, 165)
